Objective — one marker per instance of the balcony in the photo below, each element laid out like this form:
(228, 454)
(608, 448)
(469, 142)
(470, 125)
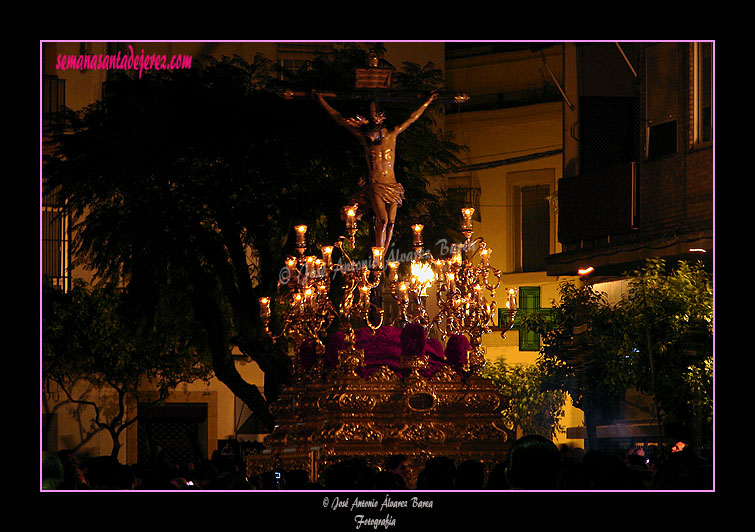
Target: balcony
(613, 219)
(597, 206)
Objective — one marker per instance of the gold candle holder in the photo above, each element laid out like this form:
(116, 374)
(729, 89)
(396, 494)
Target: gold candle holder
(485, 257)
(265, 308)
(451, 281)
(466, 226)
(456, 258)
(393, 271)
(351, 221)
(417, 229)
(301, 238)
(377, 258)
(327, 253)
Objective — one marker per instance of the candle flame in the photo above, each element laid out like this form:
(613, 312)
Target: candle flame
(423, 272)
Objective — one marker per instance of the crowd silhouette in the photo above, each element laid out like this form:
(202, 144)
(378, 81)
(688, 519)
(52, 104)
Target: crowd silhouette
(532, 463)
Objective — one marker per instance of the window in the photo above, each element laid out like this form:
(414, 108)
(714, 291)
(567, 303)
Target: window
(179, 429)
(530, 218)
(466, 190)
(53, 97)
(529, 302)
(55, 243)
(703, 89)
(535, 216)
(293, 56)
(661, 99)
(662, 140)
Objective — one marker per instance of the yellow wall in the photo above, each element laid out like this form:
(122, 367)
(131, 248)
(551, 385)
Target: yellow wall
(495, 135)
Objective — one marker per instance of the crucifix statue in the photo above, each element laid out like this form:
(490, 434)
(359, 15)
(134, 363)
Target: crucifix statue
(379, 142)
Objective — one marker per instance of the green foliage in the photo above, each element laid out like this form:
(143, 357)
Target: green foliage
(669, 316)
(658, 339)
(585, 310)
(529, 407)
(92, 336)
(92, 333)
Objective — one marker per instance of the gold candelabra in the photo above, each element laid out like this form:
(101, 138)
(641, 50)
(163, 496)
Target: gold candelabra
(304, 294)
(460, 285)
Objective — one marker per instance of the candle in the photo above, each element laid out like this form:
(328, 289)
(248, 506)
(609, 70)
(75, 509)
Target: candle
(417, 228)
(308, 299)
(351, 213)
(402, 291)
(377, 257)
(301, 236)
(393, 271)
(451, 278)
(310, 261)
(364, 292)
(265, 308)
(467, 214)
(511, 302)
(485, 257)
(327, 252)
(456, 254)
(322, 290)
(477, 293)
(291, 265)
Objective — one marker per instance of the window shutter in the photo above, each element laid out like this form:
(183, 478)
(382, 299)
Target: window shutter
(529, 301)
(662, 80)
(661, 99)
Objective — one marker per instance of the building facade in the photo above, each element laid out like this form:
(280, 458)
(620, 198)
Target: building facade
(512, 126)
(638, 179)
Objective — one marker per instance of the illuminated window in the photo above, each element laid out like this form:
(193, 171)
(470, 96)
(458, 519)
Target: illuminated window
(703, 89)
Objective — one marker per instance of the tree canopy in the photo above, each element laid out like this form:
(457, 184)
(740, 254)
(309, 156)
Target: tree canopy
(92, 336)
(658, 339)
(190, 182)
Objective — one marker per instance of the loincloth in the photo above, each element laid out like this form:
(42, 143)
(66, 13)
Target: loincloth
(388, 192)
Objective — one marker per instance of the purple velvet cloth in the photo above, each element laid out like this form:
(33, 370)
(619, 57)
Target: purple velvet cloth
(308, 354)
(335, 343)
(413, 340)
(382, 349)
(387, 346)
(457, 350)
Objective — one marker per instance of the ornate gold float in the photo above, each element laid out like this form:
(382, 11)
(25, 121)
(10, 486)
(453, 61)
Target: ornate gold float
(386, 389)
